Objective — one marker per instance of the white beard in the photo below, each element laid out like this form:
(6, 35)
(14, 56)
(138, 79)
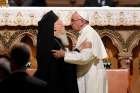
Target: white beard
(63, 37)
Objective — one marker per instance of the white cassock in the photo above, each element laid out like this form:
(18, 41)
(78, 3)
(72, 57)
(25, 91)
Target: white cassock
(94, 81)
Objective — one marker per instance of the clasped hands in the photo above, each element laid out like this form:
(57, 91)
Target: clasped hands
(60, 53)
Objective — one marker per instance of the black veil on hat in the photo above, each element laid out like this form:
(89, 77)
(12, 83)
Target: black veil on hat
(45, 35)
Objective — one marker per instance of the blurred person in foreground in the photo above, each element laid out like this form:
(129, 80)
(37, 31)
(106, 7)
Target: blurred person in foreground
(5, 69)
(19, 79)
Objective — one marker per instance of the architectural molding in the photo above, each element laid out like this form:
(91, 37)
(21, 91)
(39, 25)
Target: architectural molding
(133, 41)
(115, 37)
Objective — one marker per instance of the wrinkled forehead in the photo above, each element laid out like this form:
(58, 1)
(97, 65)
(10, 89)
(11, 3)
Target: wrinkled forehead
(59, 22)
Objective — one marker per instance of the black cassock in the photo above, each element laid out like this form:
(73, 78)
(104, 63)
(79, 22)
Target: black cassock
(60, 76)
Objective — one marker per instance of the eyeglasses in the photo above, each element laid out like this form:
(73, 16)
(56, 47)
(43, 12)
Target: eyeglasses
(72, 20)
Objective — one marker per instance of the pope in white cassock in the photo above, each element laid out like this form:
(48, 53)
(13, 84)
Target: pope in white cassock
(88, 54)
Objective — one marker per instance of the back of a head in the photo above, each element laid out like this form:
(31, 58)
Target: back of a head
(4, 66)
(20, 54)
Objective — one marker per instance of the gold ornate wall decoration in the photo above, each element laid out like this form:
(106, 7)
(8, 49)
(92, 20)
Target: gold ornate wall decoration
(120, 44)
(18, 18)
(3, 2)
(96, 18)
(133, 41)
(136, 18)
(17, 36)
(100, 17)
(32, 16)
(5, 37)
(121, 18)
(4, 17)
(109, 16)
(116, 38)
(9, 38)
(2, 47)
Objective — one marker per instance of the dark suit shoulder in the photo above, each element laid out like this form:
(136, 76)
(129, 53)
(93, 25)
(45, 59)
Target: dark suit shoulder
(36, 81)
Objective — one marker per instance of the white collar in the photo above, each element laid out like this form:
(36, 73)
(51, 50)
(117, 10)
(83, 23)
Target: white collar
(83, 29)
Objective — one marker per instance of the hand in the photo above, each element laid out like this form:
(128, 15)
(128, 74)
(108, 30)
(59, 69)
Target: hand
(85, 44)
(58, 53)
